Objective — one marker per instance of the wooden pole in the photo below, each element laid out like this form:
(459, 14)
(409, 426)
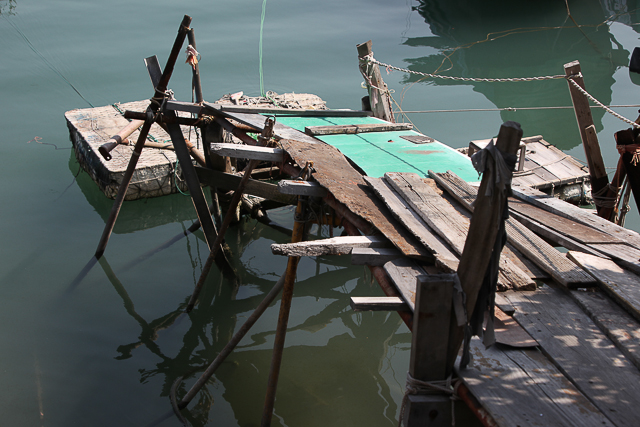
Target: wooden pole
(628, 145)
(483, 231)
(597, 171)
(197, 85)
(152, 109)
(267, 132)
(283, 317)
(379, 98)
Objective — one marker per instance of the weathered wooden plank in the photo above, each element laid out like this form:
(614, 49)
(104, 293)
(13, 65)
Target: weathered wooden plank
(374, 256)
(520, 387)
(614, 321)
(625, 255)
(354, 129)
(524, 263)
(229, 182)
(575, 230)
(533, 247)
(404, 272)
(378, 304)
(620, 284)
(302, 188)
(410, 219)
(249, 152)
(346, 185)
(333, 246)
(293, 112)
(581, 351)
(509, 332)
(582, 216)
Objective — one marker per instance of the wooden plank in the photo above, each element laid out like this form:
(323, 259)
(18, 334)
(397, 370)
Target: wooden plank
(614, 321)
(520, 387)
(378, 92)
(404, 272)
(509, 332)
(581, 351)
(582, 216)
(378, 304)
(374, 256)
(354, 128)
(302, 188)
(533, 247)
(625, 255)
(525, 264)
(622, 285)
(249, 152)
(410, 219)
(229, 182)
(293, 112)
(333, 246)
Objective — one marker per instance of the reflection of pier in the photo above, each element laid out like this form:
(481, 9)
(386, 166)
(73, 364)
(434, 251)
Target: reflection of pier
(500, 39)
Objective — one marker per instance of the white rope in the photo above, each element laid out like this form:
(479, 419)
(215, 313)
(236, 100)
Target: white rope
(417, 387)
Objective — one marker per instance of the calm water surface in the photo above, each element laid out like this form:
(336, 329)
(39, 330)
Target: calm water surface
(105, 352)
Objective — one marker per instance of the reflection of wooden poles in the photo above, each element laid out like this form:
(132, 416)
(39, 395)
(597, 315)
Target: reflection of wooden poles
(283, 317)
(152, 109)
(237, 194)
(481, 238)
(597, 171)
(251, 320)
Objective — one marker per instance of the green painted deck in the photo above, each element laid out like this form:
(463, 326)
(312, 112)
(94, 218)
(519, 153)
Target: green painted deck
(380, 152)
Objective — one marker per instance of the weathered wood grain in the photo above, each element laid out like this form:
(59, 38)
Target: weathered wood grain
(378, 304)
(354, 129)
(620, 284)
(581, 351)
(333, 246)
(521, 387)
(250, 152)
(374, 256)
(302, 188)
(403, 272)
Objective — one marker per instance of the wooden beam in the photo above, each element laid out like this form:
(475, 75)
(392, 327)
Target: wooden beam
(354, 129)
(374, 256)
(378, 92)
(378, 304)
(302, 188)
(334, 246)
(266, 154)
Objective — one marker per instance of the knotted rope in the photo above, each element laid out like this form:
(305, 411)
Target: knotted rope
(417, 387)
(630, 148)
(192, 56)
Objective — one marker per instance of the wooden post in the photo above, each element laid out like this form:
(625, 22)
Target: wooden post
(283, 316)
(429, 346)
(630, 159)
(483, 231)
(152, 109)
(197, 86)
(597, 171)
(379, 98)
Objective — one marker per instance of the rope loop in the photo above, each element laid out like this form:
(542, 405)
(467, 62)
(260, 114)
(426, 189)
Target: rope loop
(415, 387)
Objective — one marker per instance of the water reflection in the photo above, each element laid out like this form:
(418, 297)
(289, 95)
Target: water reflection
(502, 39)
(317, 372)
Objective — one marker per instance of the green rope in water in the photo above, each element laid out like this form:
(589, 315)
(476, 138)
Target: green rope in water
(264, 9)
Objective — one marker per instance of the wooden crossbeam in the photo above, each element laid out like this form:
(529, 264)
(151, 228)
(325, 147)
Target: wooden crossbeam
(266, 154)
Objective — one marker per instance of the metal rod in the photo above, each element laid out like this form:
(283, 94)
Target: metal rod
(226, 351)
(283, 317)
(153, 108)
(237, 194)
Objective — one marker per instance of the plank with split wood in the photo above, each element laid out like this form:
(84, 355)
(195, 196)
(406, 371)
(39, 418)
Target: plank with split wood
(374, 256)
(333, 246)
(581, 351)
(533, 247)
(582, 216)
(354, 129)
(252, 152)
(521, 387)
(448, 223)
(410, 219)
(378, 304)
(613, 320)
(621, 285)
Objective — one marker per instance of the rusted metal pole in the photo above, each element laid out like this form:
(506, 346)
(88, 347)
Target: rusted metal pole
(283, 317)
(152, 109)
(237, 194)
(226, 351)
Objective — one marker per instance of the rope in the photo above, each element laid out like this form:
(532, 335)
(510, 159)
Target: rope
(264, 10)
(630, 148)
(468, 110)
(600, 199)
(601, 105)
(417, 387)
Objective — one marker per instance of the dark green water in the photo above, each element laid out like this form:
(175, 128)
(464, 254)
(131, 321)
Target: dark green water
(105, 352)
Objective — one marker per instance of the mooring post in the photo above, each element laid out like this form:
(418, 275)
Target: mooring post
(152, 110)
(267, 133)
(488, 217)
(283, 316)
(428, 398)
(628, 145)
(379, 98)
(197, 85)
(597, 171)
